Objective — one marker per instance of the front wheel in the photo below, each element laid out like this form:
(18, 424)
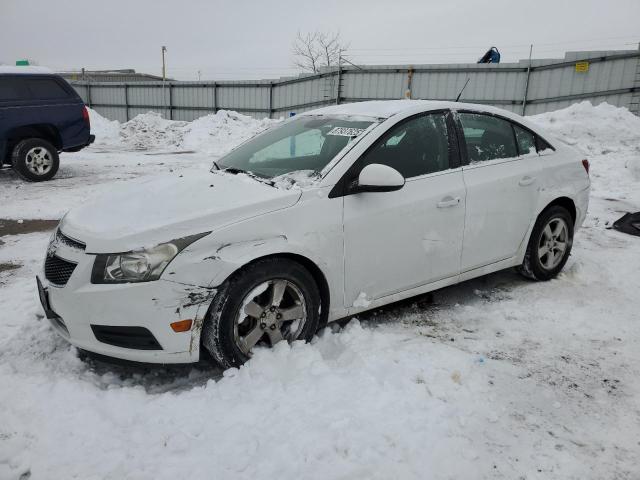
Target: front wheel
(549, 246)
(269, 301)
(35, 159)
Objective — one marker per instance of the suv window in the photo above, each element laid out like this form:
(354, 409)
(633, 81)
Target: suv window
(12, 88)
(487, 137)
(526, 140)
(414, 147)
(46, 89)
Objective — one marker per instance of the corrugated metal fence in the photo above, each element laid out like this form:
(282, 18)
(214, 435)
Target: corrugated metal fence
(541, 86)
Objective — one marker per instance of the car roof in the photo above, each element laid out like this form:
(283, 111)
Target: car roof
(383, 109)
(25, 70)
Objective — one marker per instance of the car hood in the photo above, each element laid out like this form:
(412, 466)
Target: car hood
(151, 211)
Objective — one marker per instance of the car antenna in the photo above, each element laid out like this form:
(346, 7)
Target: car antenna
(465, 86)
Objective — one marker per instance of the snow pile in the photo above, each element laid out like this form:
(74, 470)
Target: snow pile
(214, 133)
(610, 139)
(298, 179)
(107, 131)
(595, 130)
(149, 131)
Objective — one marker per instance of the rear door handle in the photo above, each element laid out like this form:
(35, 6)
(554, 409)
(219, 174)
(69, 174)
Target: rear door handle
(526, 180)
(448, 201)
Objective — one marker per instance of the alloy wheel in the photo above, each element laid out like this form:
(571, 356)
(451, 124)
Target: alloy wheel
(39, 161)
(553, 243)
(271, 312)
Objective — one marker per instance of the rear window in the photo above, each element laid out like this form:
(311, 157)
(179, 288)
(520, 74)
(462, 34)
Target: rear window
(12, 89)
(46, 88)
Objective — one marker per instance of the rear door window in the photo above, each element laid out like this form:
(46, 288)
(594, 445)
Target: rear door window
(46, 89)
(487, 137)
(12, 89)
(526, 141)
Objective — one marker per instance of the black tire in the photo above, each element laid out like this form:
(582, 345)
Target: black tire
(533, 266)
(218, 334)
(20, 161)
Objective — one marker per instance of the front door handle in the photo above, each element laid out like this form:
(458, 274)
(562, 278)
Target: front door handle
(526, 180)
(448, 202)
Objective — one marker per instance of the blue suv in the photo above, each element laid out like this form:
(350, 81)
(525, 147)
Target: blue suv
(40, 116)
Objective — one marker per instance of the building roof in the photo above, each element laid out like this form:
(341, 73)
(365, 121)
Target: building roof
(121, 75)
(31, 70)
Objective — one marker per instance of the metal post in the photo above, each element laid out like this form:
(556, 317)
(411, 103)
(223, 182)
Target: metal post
(215, 97)
(270, 99)
(407, 94)
(164, 77)
(339, 79)
(526, 85)
(126, 101)
(89, 93)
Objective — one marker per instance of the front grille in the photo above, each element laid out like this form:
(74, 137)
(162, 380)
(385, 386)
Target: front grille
(57, 270)
(62, 238)
(138, 338)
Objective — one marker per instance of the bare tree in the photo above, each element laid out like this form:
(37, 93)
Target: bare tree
(305, 52)
(332, 47)
(313, 50)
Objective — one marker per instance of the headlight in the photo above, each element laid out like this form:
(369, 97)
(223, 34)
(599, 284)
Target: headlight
(142, 265)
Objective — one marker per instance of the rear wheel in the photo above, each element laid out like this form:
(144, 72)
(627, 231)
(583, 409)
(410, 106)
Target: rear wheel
(267, 302)
(35, 159)
(550, 244)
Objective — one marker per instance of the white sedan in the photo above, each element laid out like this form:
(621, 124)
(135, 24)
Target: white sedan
(336, 211)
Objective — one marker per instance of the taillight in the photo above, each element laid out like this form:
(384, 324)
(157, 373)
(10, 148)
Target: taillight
(585, 164)
(85, 115)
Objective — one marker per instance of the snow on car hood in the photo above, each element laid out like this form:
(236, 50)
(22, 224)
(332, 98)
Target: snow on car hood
(164, 208)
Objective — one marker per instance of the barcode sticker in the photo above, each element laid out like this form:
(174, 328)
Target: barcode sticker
(346, 132)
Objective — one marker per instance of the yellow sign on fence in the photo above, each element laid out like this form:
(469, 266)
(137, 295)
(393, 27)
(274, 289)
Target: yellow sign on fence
(582, 67)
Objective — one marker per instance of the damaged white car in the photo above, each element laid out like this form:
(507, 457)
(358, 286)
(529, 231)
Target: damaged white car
(334, 212)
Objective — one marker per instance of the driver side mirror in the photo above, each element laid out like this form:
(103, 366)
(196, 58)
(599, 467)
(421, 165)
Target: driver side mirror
(378, 178)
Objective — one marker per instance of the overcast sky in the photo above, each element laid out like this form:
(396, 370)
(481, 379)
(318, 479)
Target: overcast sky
(252, 39)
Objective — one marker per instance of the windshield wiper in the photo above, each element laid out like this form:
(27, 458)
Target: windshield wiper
(255, 176)
(235, 171)
(232, 170)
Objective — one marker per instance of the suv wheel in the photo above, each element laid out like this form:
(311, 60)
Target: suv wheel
(549, 246)
(35, 159)
(272, 300)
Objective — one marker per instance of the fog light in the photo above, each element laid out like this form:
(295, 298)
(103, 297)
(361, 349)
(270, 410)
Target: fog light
(182, 325)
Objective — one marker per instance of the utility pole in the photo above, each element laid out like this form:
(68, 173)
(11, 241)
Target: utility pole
(164, 69)
(526, 85)
(339, 78)
(164, 78)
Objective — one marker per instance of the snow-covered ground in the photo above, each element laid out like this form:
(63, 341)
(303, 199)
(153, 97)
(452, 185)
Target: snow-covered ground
(494, 378)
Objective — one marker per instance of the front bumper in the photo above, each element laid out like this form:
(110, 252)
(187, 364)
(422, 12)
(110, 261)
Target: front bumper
(81, 312)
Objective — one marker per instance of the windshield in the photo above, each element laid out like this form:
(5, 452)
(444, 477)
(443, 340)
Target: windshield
(306, 143)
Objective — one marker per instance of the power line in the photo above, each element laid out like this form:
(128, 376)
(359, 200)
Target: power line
(478, 45)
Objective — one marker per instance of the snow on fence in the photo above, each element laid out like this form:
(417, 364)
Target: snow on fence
(523, 87)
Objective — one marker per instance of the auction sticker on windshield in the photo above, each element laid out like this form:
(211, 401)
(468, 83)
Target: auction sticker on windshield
(345, 131)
